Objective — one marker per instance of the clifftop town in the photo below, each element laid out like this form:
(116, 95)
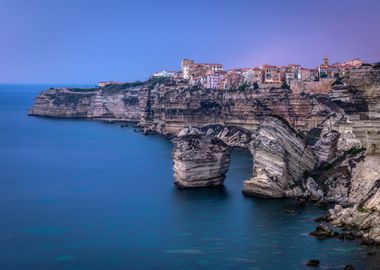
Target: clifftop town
(317, 139)
(213, 76)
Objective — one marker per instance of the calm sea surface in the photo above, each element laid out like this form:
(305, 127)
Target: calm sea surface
(80, 195)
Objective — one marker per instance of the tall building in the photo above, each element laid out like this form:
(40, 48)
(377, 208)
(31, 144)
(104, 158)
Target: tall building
(325, 61)
(324, 69)
(214, 80)
(185, 67)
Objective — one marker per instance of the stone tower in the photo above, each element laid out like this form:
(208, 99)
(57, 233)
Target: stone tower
(325, 61)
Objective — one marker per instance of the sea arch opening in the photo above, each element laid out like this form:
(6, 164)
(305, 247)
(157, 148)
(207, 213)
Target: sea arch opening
(240, 168)
(202, 156)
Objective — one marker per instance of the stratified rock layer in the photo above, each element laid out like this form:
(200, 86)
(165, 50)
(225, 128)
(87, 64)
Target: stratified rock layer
(199, 161)
(280, 160)
(280, 156)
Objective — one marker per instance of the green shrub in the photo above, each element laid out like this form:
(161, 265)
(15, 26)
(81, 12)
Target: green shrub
(285, 86)
(79, 90)
(354, 151)
(243, 87)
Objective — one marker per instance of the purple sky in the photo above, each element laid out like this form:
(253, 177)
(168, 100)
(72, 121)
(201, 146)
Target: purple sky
(78, 41)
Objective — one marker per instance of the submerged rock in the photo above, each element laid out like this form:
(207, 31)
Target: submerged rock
(313, 263)
(290, 211)
(322, 231)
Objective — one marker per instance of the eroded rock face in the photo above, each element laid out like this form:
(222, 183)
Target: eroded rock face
(359, 96)
(326, 148)
(280, 160)
(280, 155)
(200, 160)
(100, 103)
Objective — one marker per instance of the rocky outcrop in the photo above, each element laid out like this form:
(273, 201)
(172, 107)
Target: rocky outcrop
(200, 160)
(360, 193)
(280, 160)
(280, 156)
(363, 222)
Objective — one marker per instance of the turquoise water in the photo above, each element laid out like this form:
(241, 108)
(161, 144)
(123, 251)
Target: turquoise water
(78, 195)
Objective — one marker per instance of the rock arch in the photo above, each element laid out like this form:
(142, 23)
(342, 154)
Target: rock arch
(280, 157)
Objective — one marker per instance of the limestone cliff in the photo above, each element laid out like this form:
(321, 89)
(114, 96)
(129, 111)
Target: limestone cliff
(123, 104)
(324, 147)
(280, 160)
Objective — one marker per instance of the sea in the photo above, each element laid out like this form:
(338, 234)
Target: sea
(82, 194)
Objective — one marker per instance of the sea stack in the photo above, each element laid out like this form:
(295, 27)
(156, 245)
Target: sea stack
(199, 161)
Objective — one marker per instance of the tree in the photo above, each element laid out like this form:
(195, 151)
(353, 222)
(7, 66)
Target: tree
(243, 87)
(255, 85)
(285, 86)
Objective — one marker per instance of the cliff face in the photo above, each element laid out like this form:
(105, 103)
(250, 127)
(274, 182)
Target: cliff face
(123, 104)
(280, 160)
(359, 96)
(167, 108)
(318, 146)
(198, 107)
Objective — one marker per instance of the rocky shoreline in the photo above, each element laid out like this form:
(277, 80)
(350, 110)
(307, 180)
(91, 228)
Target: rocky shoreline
(322, 148)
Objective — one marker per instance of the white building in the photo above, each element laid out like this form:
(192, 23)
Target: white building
(308, 75)
(185, 67)
(216, 67)
(214, 80)
(164, 73)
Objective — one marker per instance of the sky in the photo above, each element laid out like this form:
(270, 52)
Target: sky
(86, 41)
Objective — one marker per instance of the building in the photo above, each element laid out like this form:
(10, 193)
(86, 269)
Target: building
(308, 75)
(291, 72)
(214, 80)
(185, 66)
(334, 71)
(325, 61)
(192, 70)
(197, 71)
(103, 84)
(273, 74)
(324, 69)
(252, 75)
(215, 67)
(232, 80)
(198, 81)
(167, 74)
